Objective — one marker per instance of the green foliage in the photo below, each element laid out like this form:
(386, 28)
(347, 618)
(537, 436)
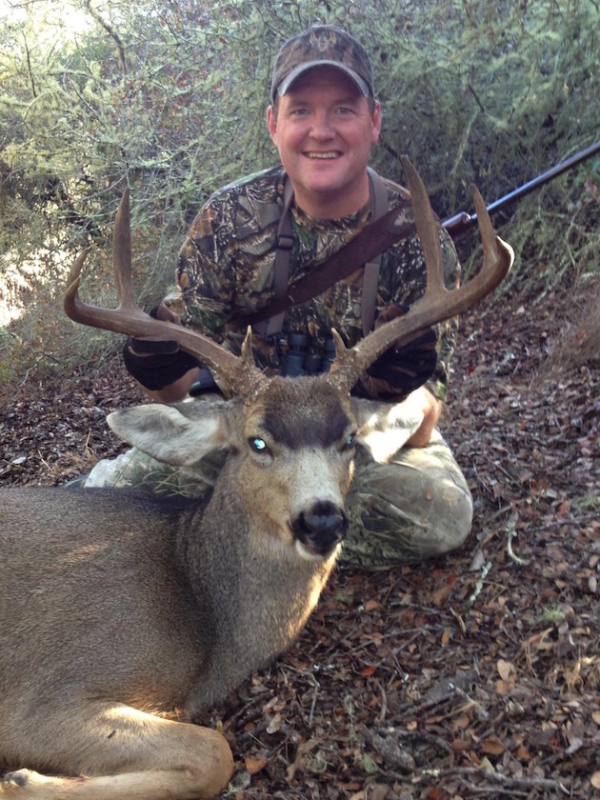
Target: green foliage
(169, 98)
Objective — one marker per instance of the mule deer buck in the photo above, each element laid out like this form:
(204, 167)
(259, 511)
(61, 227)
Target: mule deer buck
(120, 609)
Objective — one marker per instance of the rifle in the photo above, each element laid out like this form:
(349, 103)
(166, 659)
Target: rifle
(460, 223)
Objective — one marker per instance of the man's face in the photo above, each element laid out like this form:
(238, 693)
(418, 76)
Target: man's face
(324, 131)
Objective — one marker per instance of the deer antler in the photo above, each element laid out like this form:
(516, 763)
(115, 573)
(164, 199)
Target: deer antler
(438, 303)
(238, 376)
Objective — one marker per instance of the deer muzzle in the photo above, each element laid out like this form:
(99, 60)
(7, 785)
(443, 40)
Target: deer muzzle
(320, 529)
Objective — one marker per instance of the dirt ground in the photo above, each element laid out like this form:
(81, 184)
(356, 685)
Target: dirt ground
(476, 675)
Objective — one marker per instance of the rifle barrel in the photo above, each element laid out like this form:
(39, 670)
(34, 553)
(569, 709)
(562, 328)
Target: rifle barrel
(462, 221)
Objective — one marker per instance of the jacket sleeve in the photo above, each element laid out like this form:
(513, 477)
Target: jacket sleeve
(205, 274)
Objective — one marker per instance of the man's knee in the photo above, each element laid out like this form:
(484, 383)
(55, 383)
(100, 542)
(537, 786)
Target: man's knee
(448, 519)
(408, 510)
(409, 528)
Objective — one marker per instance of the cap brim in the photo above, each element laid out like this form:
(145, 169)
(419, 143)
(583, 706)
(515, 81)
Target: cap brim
(285, 84)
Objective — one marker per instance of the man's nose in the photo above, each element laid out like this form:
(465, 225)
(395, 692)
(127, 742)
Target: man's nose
(322, 127)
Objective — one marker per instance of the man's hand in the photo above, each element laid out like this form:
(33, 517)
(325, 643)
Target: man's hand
(157, 364)
(401, 370)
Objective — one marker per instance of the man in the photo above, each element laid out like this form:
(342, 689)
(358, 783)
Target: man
(324, 120)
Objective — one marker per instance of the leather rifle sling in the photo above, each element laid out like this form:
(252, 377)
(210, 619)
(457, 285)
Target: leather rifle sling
(285, 242)
(269, 320)
(379, 206)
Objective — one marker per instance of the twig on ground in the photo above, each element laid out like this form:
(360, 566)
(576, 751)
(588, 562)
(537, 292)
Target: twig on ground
(484, 776)
(511, 533)
(479, 585)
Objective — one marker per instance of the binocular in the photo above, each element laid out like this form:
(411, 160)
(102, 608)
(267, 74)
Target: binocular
(300, 360)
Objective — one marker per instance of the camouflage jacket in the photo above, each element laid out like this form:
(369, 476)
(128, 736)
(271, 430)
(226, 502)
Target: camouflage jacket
(226, 267)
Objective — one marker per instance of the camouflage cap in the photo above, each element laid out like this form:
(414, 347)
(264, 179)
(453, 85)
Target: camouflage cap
(322, 45)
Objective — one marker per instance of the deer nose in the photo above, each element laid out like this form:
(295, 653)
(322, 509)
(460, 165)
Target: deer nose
(321, 528)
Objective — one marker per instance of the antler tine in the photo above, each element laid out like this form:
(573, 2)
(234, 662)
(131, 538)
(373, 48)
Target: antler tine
(122, 254)
(438, 303)
(234, 375)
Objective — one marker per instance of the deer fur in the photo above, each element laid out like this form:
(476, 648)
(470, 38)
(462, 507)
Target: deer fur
(120, 608)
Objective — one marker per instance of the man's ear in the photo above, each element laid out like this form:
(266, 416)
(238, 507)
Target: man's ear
(272, 124)
(376, 123)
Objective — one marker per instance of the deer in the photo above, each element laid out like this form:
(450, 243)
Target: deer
(123, 615)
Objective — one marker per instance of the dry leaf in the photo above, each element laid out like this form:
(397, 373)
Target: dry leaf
(274, 723)
(254, 765)
(379, 791)
(441, 595)
(371, 605)
(575, 745)
(434, 720)
(505, 669)
(303, 749)
(435, 794)
(462, 722)
(460, 745)
(523, 753)
(487, 765)
(492, 747)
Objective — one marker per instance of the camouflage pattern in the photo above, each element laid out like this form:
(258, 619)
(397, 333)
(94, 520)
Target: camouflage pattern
(226, 267)
(415, 507)
(319, 45)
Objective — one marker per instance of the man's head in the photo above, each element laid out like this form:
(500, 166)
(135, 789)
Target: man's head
(319, 46)
(324, 119)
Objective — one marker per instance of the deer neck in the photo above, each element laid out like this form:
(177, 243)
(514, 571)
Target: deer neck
(255, 593)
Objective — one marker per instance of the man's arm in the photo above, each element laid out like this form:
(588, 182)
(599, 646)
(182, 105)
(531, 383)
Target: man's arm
(164, 372)
(176, 391)
(432, 408)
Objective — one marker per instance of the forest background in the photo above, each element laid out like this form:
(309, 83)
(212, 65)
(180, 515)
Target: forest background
(168, 97)
(473, 675)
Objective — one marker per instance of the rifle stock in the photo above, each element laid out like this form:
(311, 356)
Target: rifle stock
(462, 222)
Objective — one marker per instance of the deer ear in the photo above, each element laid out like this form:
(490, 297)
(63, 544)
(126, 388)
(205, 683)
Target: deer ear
(167, 434)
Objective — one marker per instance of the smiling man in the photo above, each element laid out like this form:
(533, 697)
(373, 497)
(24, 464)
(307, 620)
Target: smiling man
(324, 128)
(262, 234)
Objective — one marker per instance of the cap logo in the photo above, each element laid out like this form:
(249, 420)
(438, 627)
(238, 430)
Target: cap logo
(323, 41)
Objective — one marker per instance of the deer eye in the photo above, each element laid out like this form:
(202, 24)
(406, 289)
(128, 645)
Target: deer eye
(257, 444)
(350, 442)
